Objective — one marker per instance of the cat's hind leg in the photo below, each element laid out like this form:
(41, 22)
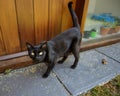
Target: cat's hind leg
(75, 51)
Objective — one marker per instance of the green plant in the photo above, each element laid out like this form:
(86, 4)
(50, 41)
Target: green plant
(93, 33)
(109, 24)
(118, 24)
(7, 71)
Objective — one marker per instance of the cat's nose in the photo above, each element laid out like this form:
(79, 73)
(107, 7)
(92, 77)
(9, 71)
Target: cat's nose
(38, 58)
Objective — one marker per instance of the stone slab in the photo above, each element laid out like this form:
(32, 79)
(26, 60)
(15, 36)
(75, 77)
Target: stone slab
(28, 82)
(113, 51)
(89, 73)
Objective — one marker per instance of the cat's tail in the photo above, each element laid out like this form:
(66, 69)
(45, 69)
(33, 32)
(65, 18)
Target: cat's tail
(74, 16)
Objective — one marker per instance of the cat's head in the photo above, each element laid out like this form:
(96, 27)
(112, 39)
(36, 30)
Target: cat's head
(37, 52)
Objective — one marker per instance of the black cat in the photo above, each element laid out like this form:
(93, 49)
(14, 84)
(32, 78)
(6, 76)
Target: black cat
(60, 46)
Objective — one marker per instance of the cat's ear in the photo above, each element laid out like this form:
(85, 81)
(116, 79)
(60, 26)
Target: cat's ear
(29, 46)
(44, 45)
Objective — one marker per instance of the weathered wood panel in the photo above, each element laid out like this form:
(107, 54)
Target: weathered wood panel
(9, 26)
(81, 11)
(32, 21)
(55, 17)
(66, 17)
(25, 21)
(2, 46)
(84, 14)
(41, 20)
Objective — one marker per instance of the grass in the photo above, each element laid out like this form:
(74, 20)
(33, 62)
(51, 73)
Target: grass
(112, 88)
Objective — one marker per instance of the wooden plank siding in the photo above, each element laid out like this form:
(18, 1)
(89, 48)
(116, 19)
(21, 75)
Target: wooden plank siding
(41, 20)
(25, 22)
(55, 17)
(9, 26)
(31, 21)
(66, 17)
(2, 46)
(81, 9)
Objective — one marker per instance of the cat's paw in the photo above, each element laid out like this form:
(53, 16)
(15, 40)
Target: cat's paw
(45, 75)
(73, 67)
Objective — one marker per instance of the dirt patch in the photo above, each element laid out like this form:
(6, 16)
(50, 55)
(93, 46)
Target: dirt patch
(111, 88)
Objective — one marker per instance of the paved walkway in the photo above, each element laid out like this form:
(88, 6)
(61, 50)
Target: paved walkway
(64, 81)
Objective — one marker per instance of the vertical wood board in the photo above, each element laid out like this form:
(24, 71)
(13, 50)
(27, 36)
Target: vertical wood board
(25, 21)
(66, 16)
(41, 20)
(55, 17)
(2, 46)
(9, 26)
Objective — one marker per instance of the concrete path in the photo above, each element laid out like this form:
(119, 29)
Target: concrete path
(64, 81)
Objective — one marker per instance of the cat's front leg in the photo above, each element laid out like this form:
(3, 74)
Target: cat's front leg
(49, 69)
(63, 59)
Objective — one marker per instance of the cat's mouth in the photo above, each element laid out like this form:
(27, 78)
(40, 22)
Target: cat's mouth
(35, 61)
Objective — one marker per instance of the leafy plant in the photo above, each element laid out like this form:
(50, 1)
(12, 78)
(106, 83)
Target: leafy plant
(109, 24)
(7, 71)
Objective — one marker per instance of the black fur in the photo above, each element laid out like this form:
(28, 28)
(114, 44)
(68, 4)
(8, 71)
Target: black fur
(60, 46)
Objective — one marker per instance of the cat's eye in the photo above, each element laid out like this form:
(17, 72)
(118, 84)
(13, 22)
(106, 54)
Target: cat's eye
(40, 53)
(32, 53)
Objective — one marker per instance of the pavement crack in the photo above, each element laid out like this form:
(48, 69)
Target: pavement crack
(106, 55)
(70, 94)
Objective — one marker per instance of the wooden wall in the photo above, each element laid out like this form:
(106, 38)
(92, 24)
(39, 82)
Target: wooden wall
(31, 21)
